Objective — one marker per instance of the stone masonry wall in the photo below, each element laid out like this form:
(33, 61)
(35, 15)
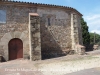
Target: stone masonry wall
(56, 37)
(80, 30)
(55, 28)
(16, 26)
(76, 33)
(35, 37)
(76, 27)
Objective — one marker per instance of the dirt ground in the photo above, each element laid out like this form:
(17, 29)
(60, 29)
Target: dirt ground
(54, 66)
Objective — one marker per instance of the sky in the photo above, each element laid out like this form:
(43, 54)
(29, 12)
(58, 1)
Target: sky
(89, 8)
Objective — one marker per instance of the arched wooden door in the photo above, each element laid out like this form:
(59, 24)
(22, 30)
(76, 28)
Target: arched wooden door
(15, 49)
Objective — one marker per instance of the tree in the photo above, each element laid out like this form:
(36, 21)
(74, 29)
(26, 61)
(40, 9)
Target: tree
(85, 32)
(97, 38)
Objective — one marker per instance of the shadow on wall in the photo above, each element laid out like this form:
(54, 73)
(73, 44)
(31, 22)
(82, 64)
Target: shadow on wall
(50, 47)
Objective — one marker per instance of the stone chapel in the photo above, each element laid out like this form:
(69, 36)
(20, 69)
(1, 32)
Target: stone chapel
(37, 31)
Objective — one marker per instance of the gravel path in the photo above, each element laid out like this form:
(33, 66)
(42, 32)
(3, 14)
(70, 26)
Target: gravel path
(93, 71)
(63, 67)
(55, 66)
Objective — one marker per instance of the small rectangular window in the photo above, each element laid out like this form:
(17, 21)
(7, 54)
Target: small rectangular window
(48, 21)
(2, 16)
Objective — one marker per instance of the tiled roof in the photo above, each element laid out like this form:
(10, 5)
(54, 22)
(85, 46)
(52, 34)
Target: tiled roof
(41, 4)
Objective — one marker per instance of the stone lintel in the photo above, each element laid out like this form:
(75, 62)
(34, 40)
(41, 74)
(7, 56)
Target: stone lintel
(33, 14)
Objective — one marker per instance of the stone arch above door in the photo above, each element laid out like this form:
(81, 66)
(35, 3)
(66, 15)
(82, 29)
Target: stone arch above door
(17, 34)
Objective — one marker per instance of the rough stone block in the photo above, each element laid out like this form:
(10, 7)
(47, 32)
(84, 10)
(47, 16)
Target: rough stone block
(80, 49)
(95, 47)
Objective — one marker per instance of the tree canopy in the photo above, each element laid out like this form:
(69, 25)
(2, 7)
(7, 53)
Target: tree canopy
(85, 32)
(94, 38)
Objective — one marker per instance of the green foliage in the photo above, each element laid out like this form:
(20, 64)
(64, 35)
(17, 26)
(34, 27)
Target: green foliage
(97, 38)
(88, 38)
(85, 33)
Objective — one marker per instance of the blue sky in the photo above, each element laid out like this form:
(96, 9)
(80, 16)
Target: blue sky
(89, 8)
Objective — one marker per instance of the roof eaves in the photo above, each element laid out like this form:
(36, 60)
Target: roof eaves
(42, 4)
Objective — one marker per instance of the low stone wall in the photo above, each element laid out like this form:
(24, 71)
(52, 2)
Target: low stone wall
(92, 47)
